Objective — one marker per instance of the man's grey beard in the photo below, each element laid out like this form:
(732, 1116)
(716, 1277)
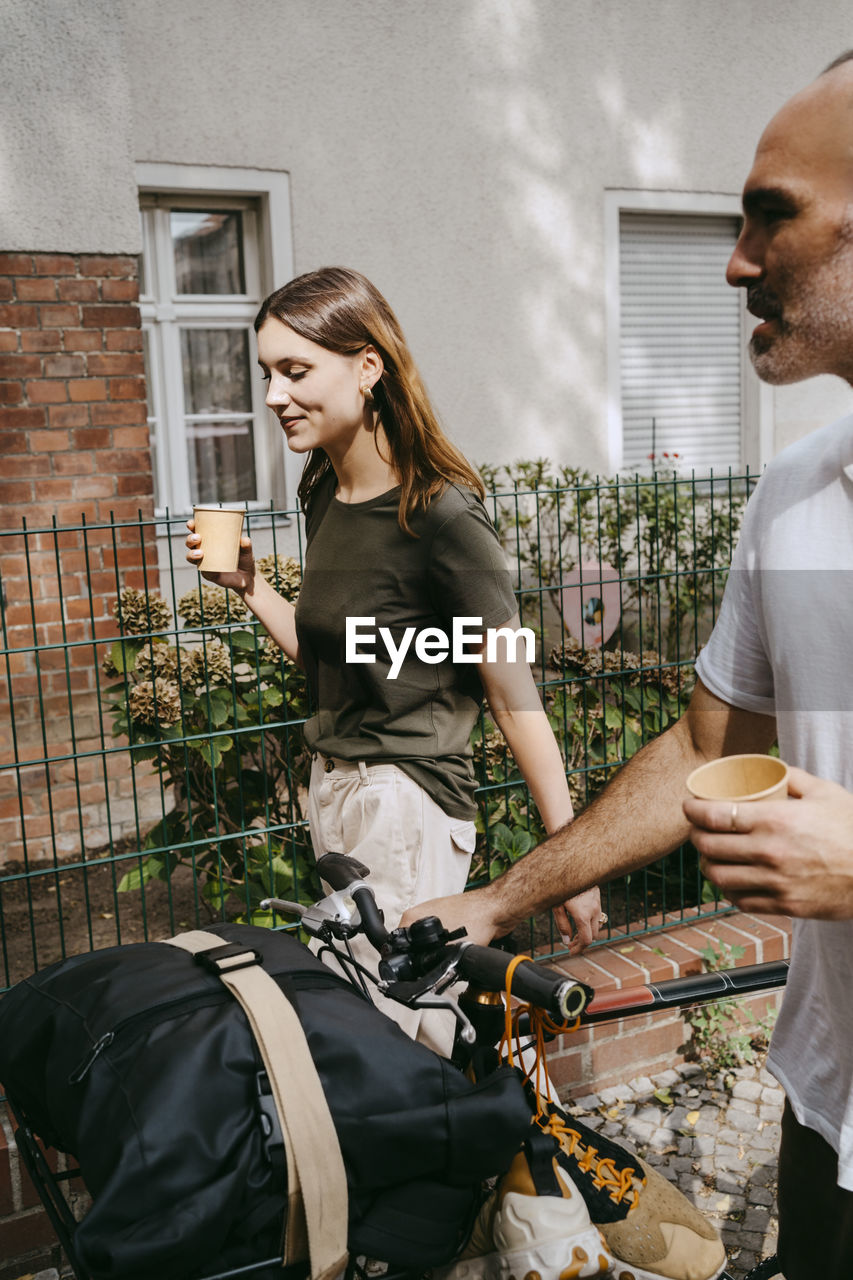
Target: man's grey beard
(820, 340)
(771, 366)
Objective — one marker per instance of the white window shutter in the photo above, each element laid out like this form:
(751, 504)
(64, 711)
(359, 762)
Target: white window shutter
(680, 341)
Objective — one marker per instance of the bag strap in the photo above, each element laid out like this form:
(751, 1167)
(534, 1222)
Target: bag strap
(316, 1178)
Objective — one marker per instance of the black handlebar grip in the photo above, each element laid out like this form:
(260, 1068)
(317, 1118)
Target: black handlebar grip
(371, 916)
(340, 870)
(536, 983)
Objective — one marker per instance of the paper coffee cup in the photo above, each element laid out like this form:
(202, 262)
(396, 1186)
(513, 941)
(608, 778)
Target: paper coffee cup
(219, 529)
(740, 778)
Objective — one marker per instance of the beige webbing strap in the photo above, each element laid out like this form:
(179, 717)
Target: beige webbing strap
(316, 1179)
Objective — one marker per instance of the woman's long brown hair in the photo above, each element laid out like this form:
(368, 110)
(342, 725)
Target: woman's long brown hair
(341, 310)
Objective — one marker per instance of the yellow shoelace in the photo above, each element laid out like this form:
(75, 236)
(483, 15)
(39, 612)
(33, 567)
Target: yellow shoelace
(619, 1183)
(540, 1023)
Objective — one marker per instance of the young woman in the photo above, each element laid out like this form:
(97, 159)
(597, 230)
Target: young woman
(399, 545)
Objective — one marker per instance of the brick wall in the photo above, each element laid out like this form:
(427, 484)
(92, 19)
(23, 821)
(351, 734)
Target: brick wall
(75, 450)
(610, 1053)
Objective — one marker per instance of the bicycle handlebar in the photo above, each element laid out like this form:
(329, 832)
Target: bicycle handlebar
(372, 919)
(425, 959)
(537, 984)
(344, 872)
(417, 959)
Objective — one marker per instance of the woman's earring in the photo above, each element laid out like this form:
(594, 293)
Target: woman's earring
(367, 392)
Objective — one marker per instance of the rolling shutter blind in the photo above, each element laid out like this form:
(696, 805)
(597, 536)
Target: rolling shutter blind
(680, 341)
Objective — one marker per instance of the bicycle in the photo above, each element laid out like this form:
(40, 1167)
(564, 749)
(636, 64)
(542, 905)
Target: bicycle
(418, 967)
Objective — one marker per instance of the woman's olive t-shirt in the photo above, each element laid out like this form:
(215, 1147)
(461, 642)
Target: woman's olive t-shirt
(360, 564)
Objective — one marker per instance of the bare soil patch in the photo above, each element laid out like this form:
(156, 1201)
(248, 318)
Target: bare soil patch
(62, 911)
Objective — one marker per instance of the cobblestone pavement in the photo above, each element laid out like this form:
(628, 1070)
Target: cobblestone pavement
(716, 1138)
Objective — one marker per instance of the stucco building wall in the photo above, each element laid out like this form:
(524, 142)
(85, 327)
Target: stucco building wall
(458, 152)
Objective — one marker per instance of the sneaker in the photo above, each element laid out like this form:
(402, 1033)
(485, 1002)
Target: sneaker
(534, 1226)
(652, 1230)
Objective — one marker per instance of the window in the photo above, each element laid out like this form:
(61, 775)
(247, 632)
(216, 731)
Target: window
(679, 378)
(211, 439)
(680, 340)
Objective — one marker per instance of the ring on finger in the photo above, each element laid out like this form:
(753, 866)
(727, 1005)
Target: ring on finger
(602, 919)
(734, 818)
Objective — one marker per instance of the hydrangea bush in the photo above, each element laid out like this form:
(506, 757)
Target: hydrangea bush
(669, 535)
(216, 709)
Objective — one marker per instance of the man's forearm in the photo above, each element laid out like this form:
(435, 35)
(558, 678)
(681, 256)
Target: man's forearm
(637, 819)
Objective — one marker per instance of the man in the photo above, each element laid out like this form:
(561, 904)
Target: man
(777, 665)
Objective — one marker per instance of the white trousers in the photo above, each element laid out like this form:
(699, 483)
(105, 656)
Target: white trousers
(415, 851)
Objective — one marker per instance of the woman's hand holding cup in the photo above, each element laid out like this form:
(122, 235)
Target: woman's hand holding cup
(220, 546)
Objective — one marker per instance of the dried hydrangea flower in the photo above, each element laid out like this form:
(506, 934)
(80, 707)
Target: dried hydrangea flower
(211, 607)
(283, 572)
(155, 702)
(269, 651)
(208, 664)
(139, 613)
(157, 660)
(108, 667)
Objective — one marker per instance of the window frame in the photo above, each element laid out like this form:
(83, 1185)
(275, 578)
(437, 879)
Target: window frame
(263, 197)
(757, 402)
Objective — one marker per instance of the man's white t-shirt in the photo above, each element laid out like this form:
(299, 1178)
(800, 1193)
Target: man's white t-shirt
(783, 646)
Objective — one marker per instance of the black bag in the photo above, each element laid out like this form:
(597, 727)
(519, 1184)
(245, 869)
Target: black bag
(139, 1063)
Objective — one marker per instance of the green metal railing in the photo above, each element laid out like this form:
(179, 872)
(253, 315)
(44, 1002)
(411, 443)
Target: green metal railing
(152, 769)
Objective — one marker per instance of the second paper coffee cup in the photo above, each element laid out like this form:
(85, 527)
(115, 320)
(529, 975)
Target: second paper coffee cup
(743, 777)
(219, 529)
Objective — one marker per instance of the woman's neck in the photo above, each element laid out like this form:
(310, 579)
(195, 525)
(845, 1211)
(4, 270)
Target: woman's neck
(363, 471)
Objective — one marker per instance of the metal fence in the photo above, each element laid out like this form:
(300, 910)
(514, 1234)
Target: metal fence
(152, 768)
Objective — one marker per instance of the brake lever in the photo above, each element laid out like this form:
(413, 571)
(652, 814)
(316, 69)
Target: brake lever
(283, 906)
(335, 916)
(466, 1027)
(423, 993)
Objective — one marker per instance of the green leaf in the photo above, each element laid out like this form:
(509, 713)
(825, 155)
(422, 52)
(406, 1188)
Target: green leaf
(263, 919)
(123, 654)
(635, 698)
(219, 693)
(169, 830)
(219, 712)
(150, 868)
(215, 892)
(500, 836)
(243, 640)
(271, 877)
(213, 750)
(709, 892)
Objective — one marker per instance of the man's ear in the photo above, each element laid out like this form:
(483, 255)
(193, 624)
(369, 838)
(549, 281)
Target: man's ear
(372, 366)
